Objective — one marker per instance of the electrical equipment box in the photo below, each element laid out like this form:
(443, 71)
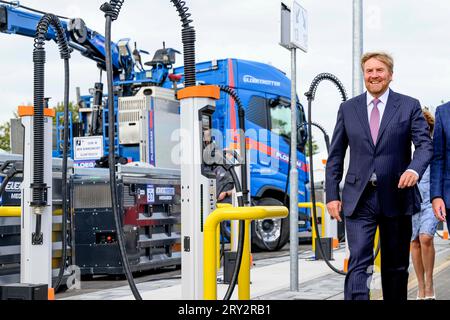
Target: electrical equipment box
(150, 210)
(229, 263)
(149, 125)
(22, 291)
(327, 245)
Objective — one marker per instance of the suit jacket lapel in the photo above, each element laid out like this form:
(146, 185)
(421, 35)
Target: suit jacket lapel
(391, 108)
(361, 111)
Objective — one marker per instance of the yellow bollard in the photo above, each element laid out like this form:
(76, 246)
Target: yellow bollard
(210, 239)
(321, 206)
(244, 272)
(220, 205)
(377, 262)
(218, 247)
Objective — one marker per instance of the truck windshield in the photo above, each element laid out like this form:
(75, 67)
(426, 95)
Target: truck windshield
(280, 118)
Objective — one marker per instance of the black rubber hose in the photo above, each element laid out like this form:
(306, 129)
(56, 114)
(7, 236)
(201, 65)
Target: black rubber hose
(311, 95)
(38, 186)
(243, 144)
(65, 209)
(222, 240)
(112, 10)
(326, 137)
(241, 240)
(188, 38)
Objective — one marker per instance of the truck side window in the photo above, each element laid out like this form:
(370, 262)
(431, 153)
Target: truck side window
(280, 120)
(257, 111)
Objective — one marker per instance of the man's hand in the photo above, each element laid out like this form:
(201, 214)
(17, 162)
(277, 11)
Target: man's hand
(222, 195)
(439, 208)
(408, 180)
(334, 209)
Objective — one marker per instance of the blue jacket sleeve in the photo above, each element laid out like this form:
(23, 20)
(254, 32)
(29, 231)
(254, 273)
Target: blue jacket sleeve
(422, 141)
(437, 163)
(335, 162)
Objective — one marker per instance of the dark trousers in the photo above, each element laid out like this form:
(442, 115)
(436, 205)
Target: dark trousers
(395, 237)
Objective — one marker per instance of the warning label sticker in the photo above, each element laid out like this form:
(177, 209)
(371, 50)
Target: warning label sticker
(150, 193)
(88, 148)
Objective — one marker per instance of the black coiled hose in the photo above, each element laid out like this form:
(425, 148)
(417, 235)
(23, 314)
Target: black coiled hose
(38, 186)
(188, 38)
(311, 96)
(112, 10)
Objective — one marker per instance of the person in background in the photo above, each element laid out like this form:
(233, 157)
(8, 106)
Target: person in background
(224, 185)
(424, 225)
(440, 164)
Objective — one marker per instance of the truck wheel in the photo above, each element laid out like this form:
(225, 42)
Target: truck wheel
(270, 234)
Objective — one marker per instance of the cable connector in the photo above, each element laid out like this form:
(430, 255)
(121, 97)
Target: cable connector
(112, 8)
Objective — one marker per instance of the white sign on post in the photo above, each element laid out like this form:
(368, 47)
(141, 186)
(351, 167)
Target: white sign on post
(88, 148)
(299, 27)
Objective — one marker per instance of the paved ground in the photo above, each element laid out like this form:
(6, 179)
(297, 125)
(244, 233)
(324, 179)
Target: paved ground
(328, 287)
(166, 275)
(270, 280)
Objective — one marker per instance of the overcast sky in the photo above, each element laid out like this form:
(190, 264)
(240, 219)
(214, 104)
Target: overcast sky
(415, 32)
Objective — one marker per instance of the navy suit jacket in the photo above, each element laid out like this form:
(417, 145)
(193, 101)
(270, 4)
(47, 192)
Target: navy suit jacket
(440, 165)
(401, 124)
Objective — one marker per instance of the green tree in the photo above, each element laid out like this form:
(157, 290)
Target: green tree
(73, 108)
(5, 134)
(315, 147)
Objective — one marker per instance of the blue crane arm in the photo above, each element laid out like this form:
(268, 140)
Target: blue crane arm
(89, 43)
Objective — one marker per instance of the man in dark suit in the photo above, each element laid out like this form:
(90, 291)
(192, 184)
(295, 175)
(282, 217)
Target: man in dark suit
(440, 165)
(381, 184)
